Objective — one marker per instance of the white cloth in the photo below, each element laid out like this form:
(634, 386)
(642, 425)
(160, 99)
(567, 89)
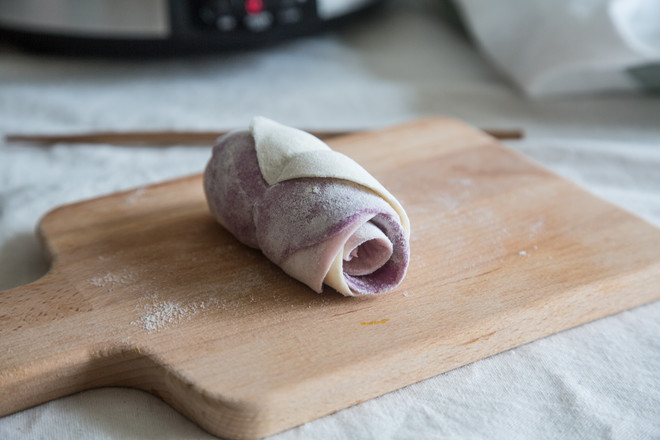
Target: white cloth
(567, 46)
(596, 381)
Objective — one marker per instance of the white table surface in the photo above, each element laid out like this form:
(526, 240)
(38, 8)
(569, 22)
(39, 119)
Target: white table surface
(601, 380)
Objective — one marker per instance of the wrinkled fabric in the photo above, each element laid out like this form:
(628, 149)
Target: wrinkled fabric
(570, 46)
(595, 381)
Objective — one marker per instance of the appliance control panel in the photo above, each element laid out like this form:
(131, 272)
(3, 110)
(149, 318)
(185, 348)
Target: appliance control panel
(252, 15)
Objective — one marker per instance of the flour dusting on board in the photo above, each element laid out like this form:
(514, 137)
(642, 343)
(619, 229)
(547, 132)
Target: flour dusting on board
(135, 195)
(111, 280)
(158, 314)
(161, 308)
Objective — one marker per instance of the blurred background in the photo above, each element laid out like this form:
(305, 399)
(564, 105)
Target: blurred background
(578, 77)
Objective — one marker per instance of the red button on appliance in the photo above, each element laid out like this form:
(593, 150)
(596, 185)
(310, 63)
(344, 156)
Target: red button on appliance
(253, 7)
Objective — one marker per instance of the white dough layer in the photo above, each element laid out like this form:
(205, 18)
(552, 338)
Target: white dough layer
(286, 153)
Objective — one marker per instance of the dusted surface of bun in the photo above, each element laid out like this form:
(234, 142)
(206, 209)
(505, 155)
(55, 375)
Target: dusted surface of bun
(335, 225)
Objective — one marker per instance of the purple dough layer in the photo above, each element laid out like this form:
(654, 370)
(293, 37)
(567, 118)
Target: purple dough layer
(233, 184)
(389, 275)
(292, 215)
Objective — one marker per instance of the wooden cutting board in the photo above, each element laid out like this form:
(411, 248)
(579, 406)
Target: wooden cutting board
(147, 291)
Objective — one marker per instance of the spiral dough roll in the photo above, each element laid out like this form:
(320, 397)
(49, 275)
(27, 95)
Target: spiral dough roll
(312, 211)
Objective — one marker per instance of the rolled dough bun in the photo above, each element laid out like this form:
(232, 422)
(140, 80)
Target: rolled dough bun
(313, 211)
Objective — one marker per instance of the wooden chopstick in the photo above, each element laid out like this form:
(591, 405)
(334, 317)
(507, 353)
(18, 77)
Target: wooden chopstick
(159, 138)
(137, 137)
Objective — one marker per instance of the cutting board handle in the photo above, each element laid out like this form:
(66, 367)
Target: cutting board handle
(44, 350)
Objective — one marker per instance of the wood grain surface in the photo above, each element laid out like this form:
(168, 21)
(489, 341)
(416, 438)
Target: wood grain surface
(147, 291)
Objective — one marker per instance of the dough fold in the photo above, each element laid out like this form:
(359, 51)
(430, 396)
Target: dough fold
(312, 211)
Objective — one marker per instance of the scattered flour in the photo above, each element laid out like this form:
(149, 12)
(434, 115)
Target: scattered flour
(460, 182)
(158, 314)
(111, 280)
(536, 227)
(524, 253)
(134, 196)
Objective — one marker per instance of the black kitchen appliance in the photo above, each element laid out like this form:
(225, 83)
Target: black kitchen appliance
(126, 27)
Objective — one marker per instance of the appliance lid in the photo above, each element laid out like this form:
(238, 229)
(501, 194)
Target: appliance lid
(106, 18)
